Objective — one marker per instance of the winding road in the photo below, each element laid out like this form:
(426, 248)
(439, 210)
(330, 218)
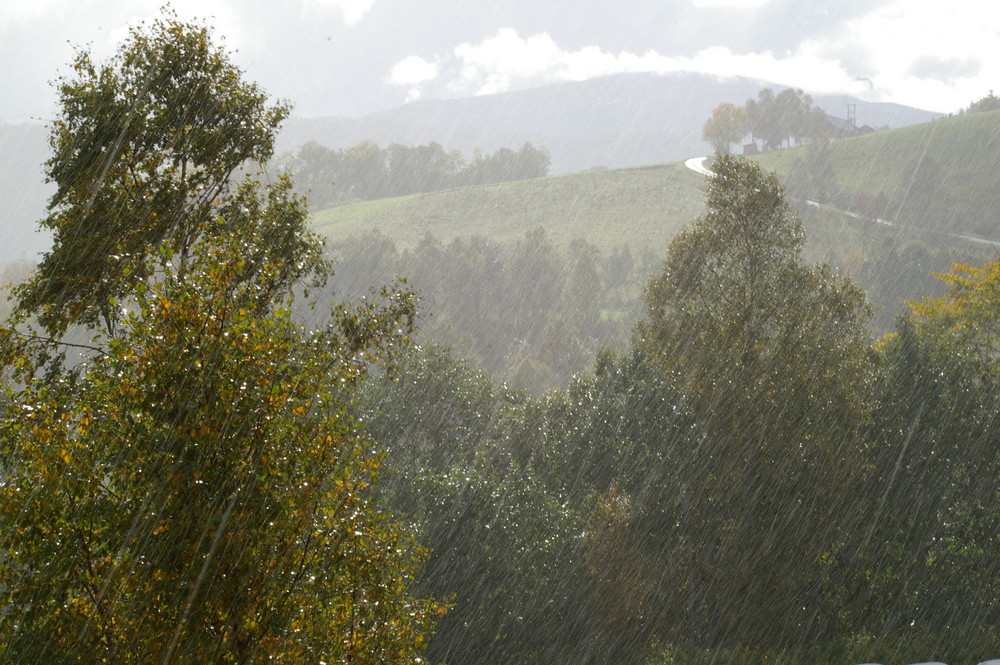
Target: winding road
(697, 164)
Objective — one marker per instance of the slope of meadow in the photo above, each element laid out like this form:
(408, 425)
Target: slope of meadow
(940, 174)
(936, 180)
(637, 207)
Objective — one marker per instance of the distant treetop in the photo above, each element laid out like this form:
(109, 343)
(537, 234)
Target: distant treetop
(988, 103)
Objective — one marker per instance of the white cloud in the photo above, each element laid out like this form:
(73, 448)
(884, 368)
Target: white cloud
(17, 13)
(884, 55)
(507, 60)
(803, 69)
(350, 11)
(729, 4)
(411, 72)
(899, 40)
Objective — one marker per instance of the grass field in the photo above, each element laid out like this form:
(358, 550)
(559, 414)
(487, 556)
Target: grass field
(959, 154)
(638, 207)
(646, 207)
(965, 146)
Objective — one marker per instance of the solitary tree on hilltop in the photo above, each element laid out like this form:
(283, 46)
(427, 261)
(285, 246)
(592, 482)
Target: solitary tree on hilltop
(727, 125)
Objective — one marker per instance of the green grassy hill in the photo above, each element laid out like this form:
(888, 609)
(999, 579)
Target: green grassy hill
(942, 174)
(638, 207)
(946, 164)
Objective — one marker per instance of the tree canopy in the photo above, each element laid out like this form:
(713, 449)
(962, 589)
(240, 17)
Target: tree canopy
(365, 171)
(988, 103)
(728, 124)
(789, 114)
(143, 150)
(190, 488)
(771, 352)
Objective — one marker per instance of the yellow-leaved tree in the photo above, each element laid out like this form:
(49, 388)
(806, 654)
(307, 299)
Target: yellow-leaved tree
(931, 540)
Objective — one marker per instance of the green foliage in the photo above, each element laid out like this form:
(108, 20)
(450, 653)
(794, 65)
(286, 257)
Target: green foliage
(193, 485)
(736, 280)
(905, 645)
(435, 415)
(615, 444)
(789, 114)
(505, 165)
(967, 313)
(728, 124)
(143, 148)
(198, 494)
(10, 276)
(366, 172)
(533, 508)
(895, 268)
(190, 487)
(745, 484)
(530, 313)
(508, 553)
(988, 103)
(928, 548)
(772, 353)
(504, 547)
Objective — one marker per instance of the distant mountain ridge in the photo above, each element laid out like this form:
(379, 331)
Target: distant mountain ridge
(614, 121)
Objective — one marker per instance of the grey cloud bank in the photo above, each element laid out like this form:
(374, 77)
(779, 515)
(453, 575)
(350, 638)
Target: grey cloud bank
(354, 57)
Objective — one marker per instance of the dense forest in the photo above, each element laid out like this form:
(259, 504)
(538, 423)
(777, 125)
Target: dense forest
(751, 477)
(530, 453)
(366, 172)
(535, 311)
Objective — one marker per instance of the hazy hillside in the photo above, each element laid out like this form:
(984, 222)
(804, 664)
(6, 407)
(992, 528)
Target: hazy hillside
(938, 176)
(643, 208)
(639, 207)
(933, 177)
(614, 121)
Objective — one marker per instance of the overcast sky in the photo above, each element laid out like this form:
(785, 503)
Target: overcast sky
(352, 57)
